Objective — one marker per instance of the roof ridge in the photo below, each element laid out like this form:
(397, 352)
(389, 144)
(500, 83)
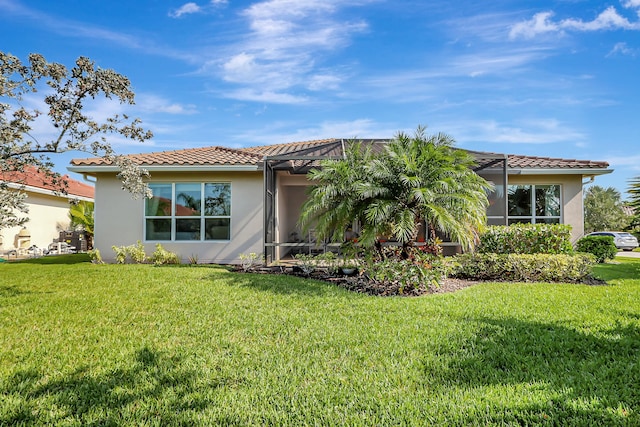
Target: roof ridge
(281, 144)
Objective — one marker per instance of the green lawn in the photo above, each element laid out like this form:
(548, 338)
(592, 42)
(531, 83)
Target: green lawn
(85, 344)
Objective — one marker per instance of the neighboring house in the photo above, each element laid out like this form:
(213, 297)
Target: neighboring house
(216, 203)
(48, 209)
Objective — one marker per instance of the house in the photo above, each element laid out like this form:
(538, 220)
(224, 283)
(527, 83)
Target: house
(216, 203)
(48, 208)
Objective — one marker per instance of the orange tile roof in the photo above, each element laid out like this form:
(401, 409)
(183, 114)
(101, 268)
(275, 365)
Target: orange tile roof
(533, 162)
(33, 177)
(331, 147)
(191, 156)
(291, 147)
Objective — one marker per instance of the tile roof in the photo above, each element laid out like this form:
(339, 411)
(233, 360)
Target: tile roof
(203, 156)
(33, 177)
(532, 162)
(332, 147)
(303, 147)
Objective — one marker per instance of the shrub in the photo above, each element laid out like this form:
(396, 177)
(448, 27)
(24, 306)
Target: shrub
(136, 252)
(527, 239)
(525, 267)
(249, 261)
(411, 276)
(602, 247)
(306, 262)
(162, 256)
(121, 254)
(95, 257)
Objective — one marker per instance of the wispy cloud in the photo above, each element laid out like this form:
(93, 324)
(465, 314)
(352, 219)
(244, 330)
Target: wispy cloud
(193, 8)
(157, 104)
(622, 49)
(284, 47)
(543, 22)
(280, 132)
(541, 131)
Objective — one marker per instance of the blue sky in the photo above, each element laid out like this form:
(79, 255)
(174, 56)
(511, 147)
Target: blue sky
(545, 78)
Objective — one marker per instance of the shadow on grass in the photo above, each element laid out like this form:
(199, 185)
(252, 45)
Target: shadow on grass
(595, 377)
(56, 259)
(621, 269)
(282, 284)
(152, 390)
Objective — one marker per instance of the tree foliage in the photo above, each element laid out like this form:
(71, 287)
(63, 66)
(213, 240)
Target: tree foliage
(603, 210)
(416, 178)
(66, 94)
(634, 201)
(81, 215)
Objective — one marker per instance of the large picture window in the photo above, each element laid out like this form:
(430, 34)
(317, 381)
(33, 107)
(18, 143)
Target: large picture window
(188, 211)
(534, 204)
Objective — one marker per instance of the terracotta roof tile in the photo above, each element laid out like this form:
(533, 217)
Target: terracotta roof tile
(331, 147)
(307, 147)
(33, 177)
(533, 162)
(192, 156)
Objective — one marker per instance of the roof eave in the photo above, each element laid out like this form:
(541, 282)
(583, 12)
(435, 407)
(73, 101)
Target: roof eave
(559, 171)
(92, 169)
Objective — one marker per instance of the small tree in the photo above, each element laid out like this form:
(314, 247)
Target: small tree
(66, 94)
(634, 202)
(81, 216)
(603, 210)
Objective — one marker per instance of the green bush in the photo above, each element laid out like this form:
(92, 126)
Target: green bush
(602, 247)
(524, 267)
(162, 256)
(136, 252)
(527, 239)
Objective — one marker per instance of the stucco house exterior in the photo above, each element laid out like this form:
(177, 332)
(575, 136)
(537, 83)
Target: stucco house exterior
(48, 209)
(216, 203)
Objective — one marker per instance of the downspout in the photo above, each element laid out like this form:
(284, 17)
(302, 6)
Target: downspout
(591, 179)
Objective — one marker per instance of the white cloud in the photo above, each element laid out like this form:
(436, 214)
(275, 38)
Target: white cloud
(185, 9)
(274, 134)
(542, 23)
(191, 8)
(542, 131)
(622, 49)
(158, 104)
(630, 4)
(286, 43)
(269, 96)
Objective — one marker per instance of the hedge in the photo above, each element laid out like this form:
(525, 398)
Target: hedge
(524, 267)
(527, 239)
(602, 247)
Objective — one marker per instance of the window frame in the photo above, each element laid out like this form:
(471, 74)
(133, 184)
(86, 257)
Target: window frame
(202, 217)
(533, 218)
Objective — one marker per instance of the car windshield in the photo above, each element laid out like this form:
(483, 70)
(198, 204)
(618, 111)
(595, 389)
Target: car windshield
(625, 235)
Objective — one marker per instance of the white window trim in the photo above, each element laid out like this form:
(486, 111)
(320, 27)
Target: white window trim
(202, 217)
(532, 218)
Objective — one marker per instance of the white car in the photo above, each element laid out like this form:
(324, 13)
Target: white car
(622, 240)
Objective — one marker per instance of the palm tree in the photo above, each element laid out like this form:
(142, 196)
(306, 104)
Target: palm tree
(81, 215)
(417, 178)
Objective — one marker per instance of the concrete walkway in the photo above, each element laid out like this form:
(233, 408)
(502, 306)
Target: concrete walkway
(628, 254)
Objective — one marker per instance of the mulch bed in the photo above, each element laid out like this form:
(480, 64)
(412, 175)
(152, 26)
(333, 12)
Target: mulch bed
(360, 284)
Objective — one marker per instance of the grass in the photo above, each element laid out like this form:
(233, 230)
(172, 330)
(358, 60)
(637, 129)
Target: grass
(85, 344)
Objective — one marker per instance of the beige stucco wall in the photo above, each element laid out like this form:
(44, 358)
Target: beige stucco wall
(571, 193)
(48, 215)
(119, 219)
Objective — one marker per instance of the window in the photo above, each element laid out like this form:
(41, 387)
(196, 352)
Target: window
(534, 204)
(188, 212)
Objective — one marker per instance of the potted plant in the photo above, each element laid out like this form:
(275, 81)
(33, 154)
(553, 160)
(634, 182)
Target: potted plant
(350, 251)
